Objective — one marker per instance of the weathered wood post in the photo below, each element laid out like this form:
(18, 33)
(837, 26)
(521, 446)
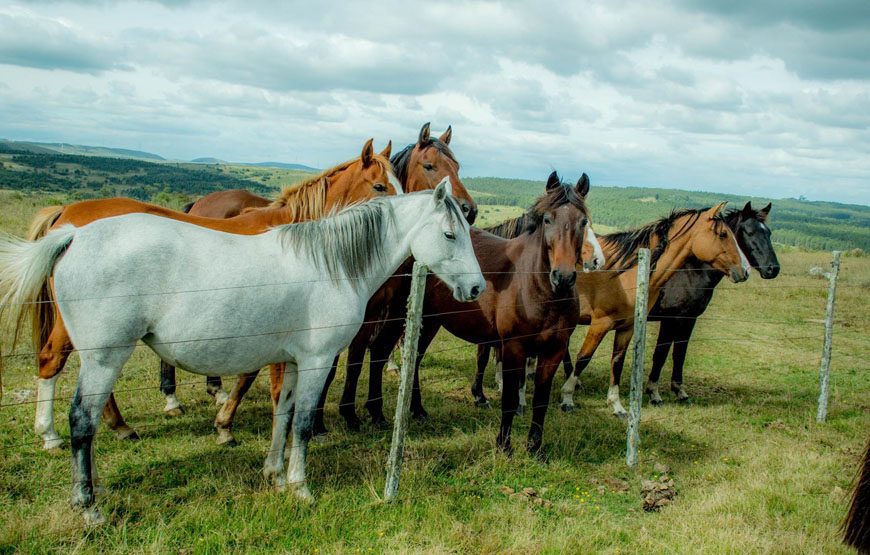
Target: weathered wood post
(635, 396)
(409, 360)
(825, 368)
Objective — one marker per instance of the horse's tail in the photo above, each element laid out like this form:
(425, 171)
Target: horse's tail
(25, 267)
(856, 527)
(42, 309)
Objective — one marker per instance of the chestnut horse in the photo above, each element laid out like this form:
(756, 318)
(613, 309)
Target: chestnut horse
(529, 307)
(607, 298)
(351, 182)
(419, 166)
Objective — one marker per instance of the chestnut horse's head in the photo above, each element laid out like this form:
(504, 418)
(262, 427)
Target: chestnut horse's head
(562, 217)
(358, 180)
(590, 254)
(422, 165)
(753, 237)
(714, 243)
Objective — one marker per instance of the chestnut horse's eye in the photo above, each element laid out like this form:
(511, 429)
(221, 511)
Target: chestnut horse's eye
(380, 187)
(722, 235)
(428, 167)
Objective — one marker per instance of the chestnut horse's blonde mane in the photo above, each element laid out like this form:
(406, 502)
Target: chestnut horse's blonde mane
(306, 200)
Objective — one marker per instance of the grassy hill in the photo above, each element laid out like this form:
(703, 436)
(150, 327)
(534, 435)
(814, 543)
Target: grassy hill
(807, 224)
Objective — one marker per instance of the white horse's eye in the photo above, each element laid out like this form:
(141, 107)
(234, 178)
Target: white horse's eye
(450, 235)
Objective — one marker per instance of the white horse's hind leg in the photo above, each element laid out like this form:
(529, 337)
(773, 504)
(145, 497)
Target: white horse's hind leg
(43, 424)
(312, 376)
(99, 371)
(273, 467)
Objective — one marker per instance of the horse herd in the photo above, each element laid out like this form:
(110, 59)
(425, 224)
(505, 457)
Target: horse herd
(236, 282)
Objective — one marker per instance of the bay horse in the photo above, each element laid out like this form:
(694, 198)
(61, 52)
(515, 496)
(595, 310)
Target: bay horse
(353, 181)
(856, 526)
(530, 304)
(211, 302)
(607, 297)
(417, 166)
(686, 295)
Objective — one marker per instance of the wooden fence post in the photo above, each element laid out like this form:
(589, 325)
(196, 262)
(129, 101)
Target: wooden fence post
(409, 359)
(635, 396)
(825, 368)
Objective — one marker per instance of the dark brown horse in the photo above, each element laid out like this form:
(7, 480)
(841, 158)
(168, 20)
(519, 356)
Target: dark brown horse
(530, 304)
(419, 166)
(856, 527)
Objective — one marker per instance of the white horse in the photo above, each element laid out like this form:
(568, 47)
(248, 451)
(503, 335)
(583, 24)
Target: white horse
(198, 299)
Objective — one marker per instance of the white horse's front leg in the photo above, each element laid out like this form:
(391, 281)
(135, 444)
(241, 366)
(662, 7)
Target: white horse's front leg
(273, 468)
(312, 376)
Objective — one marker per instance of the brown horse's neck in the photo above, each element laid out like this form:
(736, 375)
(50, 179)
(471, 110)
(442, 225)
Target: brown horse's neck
(533, 260)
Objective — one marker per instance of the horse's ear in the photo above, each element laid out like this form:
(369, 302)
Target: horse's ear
(713, 212)
(762, 214)
(747, 211)
(447, 135)
(387, 150)
(583, 185)
(553, 181)
(368, 153)
(424, 138)
(443, 189)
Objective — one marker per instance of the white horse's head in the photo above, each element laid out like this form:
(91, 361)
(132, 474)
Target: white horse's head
(442, 242)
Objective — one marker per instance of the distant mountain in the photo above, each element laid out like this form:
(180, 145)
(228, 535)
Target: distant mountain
(78, 150)
(208, 160)
(282, 165)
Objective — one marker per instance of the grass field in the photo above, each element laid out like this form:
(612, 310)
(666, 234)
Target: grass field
(752, 469)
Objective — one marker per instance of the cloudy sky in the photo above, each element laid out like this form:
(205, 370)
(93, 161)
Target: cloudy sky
(747, 96)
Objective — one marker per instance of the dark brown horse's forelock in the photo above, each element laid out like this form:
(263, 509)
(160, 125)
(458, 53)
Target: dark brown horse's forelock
(531, 220)
(401, 159)
(628, 242)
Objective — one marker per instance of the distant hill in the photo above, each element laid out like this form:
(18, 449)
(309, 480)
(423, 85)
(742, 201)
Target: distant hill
(281, 165)
(808, 224)
(207, 161)
(77, 150)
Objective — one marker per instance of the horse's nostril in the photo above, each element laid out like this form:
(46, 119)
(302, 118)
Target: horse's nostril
(475, 291)
(572, 278)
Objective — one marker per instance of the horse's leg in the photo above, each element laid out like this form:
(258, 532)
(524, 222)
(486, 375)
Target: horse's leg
(379, 353)
(356, 353)
(273, 467)
(660, 356)
(391, 364)
(223, 422)
(617, 360)
(312, 375)
(546, 369)
(529, 371)
(99, 371)
(112, 417)
(513, 362)
(276, 382)
(427, 334)
(167, 387)
(566, 361)
(480, 399)
(681, 345)
(319, 425)
(214, 387)
(593, 338)
(52, 358)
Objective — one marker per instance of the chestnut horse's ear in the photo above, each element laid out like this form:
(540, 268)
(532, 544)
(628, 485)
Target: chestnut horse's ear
(583, 185)
(762, 214)
(553, 181)
(446, 136)
(387, 150)
(424, 138)
(747, 211)
(368, 153)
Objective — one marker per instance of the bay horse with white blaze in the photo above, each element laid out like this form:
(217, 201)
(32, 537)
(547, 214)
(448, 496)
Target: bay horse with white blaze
(351, 182)
(234, 302)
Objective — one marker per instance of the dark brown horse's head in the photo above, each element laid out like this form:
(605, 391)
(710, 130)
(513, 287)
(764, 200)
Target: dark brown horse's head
(753, 237)
(713, 242)
(562, 218)
(422, 165)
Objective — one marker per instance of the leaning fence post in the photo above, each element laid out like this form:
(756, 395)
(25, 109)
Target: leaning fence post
(635, 396)
(409, 360)
(825, 368)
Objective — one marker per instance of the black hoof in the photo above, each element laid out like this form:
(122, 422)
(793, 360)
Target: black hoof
(231, 443)
(684, 400)
(353, 424)
(566, 408)
(421, 416)
(380, 423)
(482, 403)
(320, 431)
(656, 402)
(133, 437)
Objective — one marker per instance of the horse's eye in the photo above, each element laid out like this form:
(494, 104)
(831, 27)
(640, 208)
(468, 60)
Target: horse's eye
(428, 167)
(450, 235)
(380, 187)
(548, 220)
(723, 235)
(585, 222)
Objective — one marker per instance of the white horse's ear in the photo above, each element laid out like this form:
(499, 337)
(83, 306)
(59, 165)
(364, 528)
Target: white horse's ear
(442, 190)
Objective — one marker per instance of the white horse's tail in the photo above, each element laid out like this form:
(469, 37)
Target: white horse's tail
(24, 268)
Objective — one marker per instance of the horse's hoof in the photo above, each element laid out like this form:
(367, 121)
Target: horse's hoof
(380, 424)
(225, 438)
(353, 424)
(175, 411)
(483, 404)
(684, 400)
(93, 517)
(303, 494)
(52, 444)
(391, 367)
(421, 416)
(320, 431)
(566, 407)
(656, 402)
(520, 410)
(127, 433)
(320, 438)
(621, 415)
